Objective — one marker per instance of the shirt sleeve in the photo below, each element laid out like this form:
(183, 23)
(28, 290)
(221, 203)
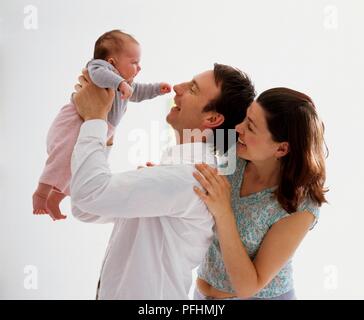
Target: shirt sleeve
(89, 217)
(279, 213)
(102, 74)
(147, 192)
(143, 91)
(309, 206)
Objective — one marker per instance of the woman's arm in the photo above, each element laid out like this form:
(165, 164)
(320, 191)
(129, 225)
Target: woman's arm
(281, 241)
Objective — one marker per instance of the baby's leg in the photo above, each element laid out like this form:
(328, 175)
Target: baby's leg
(61, 140)
(40, 198)
(54, 199)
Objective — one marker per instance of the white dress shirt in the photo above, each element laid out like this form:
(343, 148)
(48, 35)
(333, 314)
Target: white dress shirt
(162, 230)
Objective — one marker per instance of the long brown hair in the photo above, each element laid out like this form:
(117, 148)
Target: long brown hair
(291, 117)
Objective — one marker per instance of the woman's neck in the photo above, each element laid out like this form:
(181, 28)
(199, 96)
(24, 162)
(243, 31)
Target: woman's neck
(265, 173)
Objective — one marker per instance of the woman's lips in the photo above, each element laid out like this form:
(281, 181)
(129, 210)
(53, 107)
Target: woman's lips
(241, 142)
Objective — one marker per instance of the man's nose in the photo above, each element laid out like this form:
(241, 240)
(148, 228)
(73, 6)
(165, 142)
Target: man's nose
(177, 88)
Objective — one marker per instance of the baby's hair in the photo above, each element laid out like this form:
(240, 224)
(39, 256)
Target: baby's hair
(110, 43)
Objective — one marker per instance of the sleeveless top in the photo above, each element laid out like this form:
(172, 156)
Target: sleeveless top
(254, 215)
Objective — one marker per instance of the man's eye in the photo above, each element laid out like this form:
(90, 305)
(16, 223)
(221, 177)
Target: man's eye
(249, 127)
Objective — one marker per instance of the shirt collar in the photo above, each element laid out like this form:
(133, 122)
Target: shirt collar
(189, 153)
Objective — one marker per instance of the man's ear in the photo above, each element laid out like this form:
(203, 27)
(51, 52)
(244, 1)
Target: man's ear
(213, 120)
(283, 149)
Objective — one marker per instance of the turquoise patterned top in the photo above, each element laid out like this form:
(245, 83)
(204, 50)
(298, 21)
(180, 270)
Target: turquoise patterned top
(254, 215)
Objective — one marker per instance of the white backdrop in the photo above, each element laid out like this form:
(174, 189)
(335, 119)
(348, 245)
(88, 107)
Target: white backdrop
(314, 46)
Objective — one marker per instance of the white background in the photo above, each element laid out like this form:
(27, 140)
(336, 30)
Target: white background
(314, 46)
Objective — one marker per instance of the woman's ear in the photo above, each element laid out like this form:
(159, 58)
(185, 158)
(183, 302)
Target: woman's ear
(214, 120)
(283, 149)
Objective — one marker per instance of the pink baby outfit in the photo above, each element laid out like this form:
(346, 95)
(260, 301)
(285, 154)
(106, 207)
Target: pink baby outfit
(62, 135)
(61, 139)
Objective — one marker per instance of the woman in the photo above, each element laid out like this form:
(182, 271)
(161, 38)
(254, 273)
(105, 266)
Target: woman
(264, 210)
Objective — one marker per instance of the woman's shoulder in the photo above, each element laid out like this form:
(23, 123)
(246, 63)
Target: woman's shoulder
(308, 205)
(276, 212)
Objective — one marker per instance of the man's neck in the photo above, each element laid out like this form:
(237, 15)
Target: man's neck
(190, 136)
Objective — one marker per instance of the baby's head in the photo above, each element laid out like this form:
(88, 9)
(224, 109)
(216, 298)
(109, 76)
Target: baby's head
(121, 50)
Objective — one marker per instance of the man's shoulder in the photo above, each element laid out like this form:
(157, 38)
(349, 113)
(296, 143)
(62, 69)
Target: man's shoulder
(178, 172)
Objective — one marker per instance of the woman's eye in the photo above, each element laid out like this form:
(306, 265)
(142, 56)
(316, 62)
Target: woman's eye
(249, 127)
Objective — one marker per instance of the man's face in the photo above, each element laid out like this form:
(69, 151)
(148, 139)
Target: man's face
(190, 99)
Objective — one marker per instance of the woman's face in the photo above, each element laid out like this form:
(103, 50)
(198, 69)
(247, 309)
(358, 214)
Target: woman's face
(255, 142)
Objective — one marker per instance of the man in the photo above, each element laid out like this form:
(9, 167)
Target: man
(161, 229)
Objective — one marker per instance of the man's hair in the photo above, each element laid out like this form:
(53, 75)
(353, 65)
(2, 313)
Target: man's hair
(237, 93)
(110, 43)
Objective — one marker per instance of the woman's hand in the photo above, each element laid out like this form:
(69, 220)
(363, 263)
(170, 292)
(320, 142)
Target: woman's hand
(91, 101)
(218, 190)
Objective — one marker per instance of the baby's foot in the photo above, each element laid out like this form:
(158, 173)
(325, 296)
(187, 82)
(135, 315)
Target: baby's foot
(40, 202)
(53, 201)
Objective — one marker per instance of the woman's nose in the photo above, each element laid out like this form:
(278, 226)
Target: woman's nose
(239, 127)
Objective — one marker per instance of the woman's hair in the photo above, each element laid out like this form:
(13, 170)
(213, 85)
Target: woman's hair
(110, 43)
(291, 117)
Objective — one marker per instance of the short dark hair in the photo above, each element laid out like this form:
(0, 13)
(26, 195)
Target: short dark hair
(292, 117)
(237, 93)
(111, 42)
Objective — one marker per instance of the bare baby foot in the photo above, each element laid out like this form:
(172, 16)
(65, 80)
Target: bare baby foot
(53, 201)
(40, 198)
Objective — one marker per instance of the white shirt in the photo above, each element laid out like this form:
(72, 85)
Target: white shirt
(162, 230)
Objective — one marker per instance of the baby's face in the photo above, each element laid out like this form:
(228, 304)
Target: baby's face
(127, 62)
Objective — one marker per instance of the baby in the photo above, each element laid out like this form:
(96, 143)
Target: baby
(115, 65)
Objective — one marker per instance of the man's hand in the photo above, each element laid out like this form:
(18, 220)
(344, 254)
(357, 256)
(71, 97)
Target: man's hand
(91, 101)
(125, 89)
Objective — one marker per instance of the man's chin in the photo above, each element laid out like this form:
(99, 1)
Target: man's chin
(168, 118)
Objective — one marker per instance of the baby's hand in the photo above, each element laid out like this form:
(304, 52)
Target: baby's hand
(165, 88)
(125, 89)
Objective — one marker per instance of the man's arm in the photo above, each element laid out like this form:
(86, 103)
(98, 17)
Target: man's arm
(148, 192)
(141, 193)
(89, 217)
